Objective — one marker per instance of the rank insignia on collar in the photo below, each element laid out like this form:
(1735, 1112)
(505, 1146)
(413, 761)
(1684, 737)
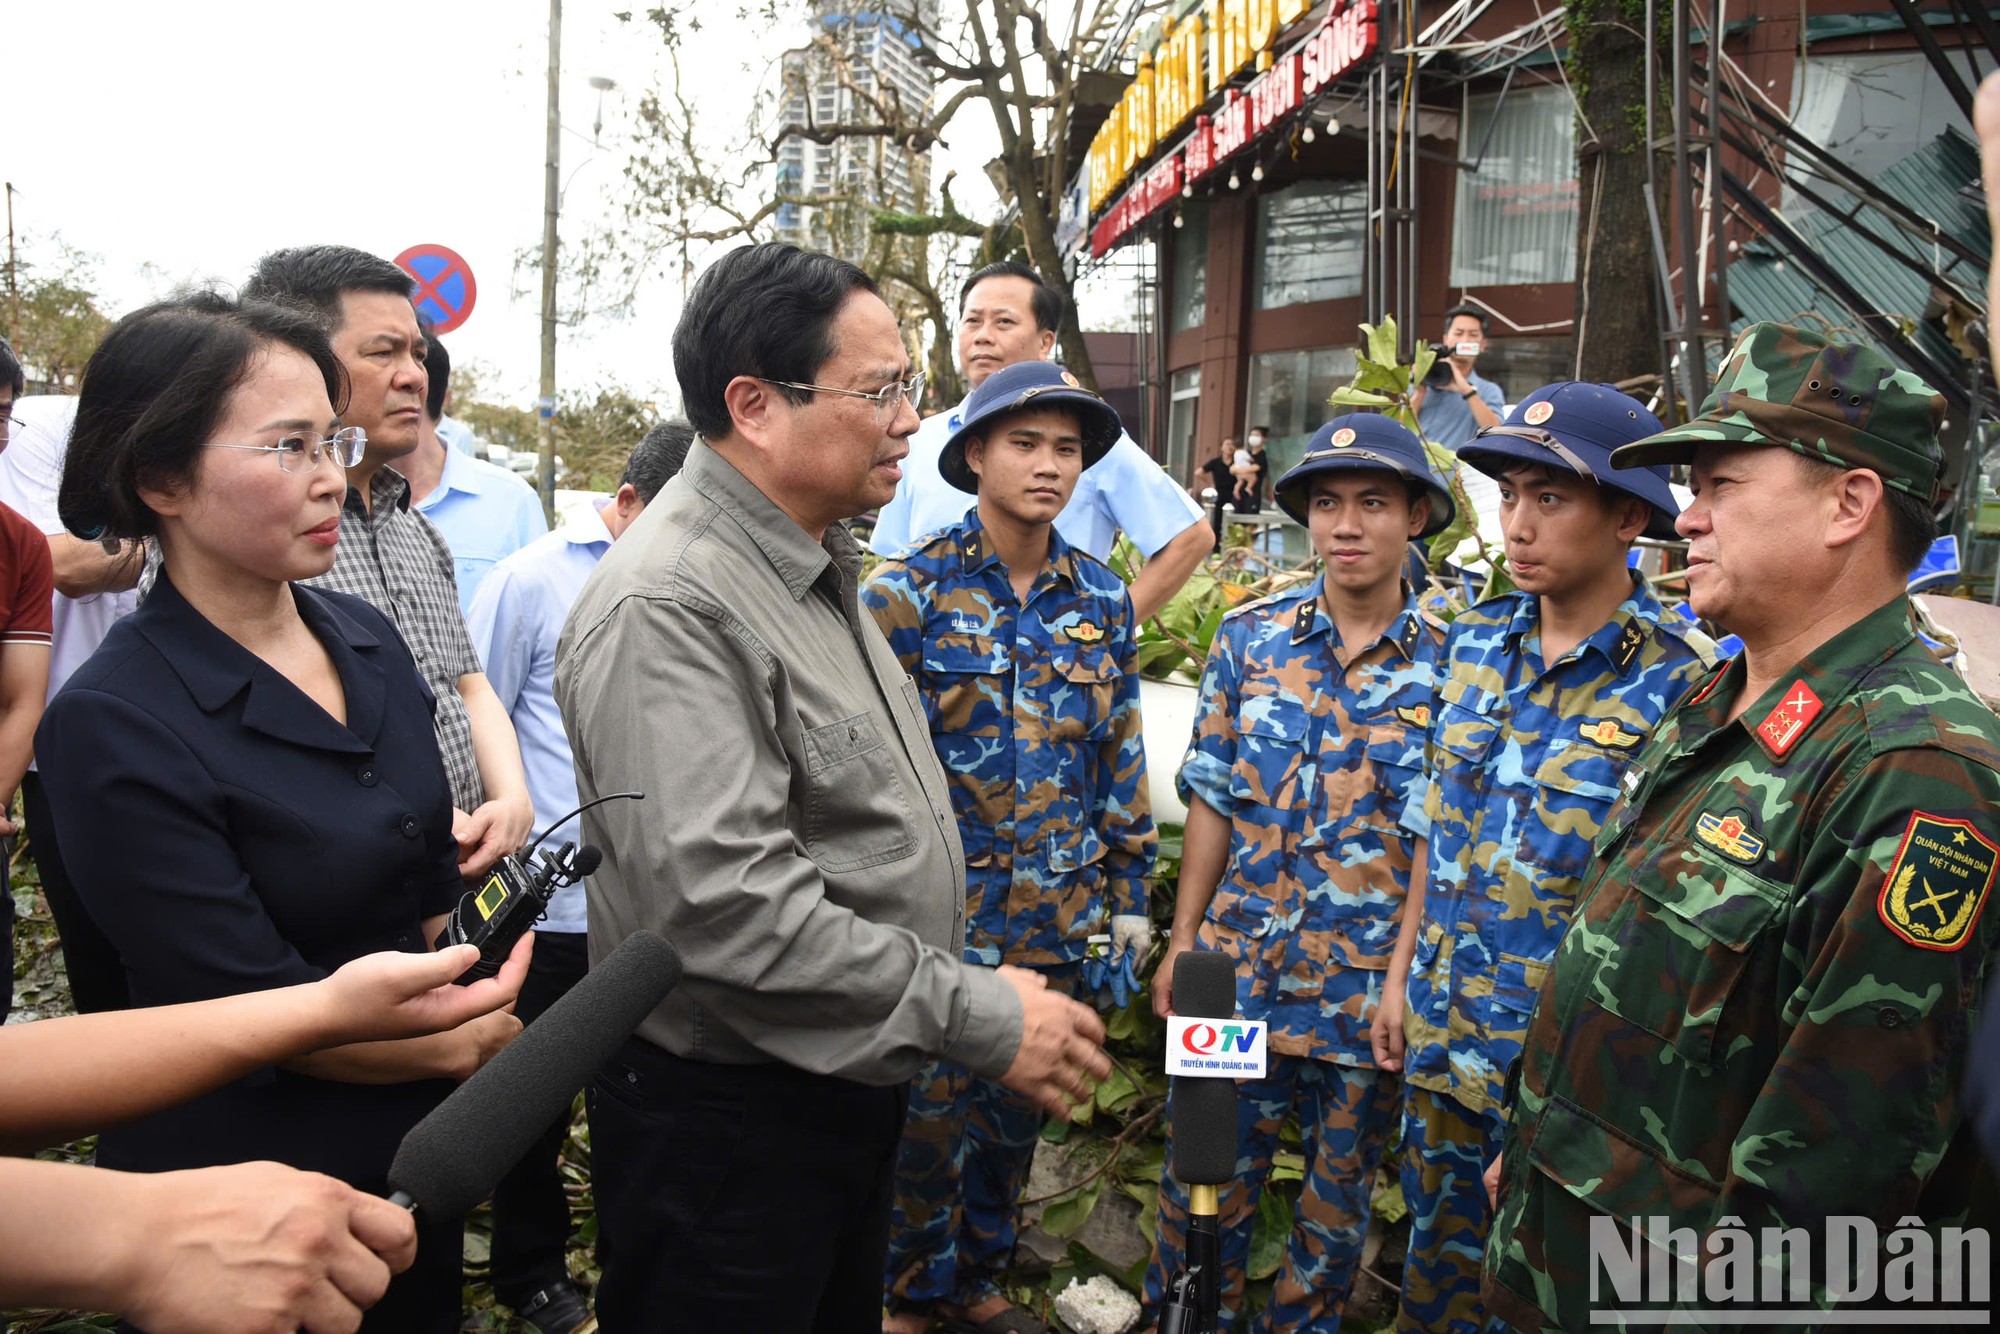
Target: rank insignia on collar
(1607, 732)
(1935, 888)
(1085, 632)
(1729, 835)
(1302, 624)
(1420, 716)
(1628, 644)
(1784, 725)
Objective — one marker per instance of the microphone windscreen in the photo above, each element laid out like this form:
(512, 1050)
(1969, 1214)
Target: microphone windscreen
(1203, 1111)
(452, 1159)
(1204, 985)
(588, 859)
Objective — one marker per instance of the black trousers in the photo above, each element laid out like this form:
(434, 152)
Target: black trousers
(740, 1197)
(531, 1223)
(96, 973)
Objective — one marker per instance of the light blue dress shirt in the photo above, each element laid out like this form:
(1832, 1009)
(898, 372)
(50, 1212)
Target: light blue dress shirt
(1125, 490)
(485, 512)
(515, 620)
(1447, 417)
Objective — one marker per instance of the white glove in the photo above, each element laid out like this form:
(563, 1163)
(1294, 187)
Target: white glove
(1131, 933)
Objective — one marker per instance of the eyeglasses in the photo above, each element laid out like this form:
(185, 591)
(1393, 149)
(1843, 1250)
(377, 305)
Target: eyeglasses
(302, 453)
(886, 399)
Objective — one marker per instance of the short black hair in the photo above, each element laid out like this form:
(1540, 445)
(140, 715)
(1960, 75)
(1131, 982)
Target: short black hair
(153, 392)
(1912, 525)
(437, 365)
(11, 373)
(1474, 311)
(1265, 429)
(317, 276)
(765, 310)
(658, 457)
(1046, 302)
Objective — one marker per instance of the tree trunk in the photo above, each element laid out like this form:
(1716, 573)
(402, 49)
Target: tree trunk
(1617, 282)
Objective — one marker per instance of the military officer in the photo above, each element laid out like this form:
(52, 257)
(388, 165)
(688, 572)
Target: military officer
(1308, 744)
(1759, 1018)
(1022, 648)
(1544, 696)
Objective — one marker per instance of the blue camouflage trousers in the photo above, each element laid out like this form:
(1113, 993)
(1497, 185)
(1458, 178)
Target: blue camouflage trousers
(1345, 1113)
(1446, 1147)
(967, 1146)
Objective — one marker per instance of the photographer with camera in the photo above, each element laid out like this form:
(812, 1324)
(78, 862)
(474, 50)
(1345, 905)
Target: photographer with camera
(1455, 402)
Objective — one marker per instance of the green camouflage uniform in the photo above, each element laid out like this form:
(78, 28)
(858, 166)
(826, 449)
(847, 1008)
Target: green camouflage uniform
(1759, 1015)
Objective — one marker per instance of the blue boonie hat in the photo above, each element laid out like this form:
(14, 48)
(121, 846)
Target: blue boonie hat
(1574, 426)
(1366, 440)
(1029, 384)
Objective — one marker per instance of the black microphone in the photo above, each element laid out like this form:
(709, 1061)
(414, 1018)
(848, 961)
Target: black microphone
(1203, 1112)
(452, 1159)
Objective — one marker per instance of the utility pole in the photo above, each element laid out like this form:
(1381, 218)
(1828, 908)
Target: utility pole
(13, 283)
(545, 467)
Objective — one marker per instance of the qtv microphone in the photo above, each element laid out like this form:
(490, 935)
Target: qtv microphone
(1203, 1112)
(452, 1159)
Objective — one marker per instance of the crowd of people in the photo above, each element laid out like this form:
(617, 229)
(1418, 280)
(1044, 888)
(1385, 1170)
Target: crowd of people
(1587, 920)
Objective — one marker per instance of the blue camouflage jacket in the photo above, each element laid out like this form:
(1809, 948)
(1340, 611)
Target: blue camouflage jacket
(1035, 713)
(1523, 763)
(1312, 760)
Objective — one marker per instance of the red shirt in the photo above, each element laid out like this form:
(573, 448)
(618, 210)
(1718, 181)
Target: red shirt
(27, 582)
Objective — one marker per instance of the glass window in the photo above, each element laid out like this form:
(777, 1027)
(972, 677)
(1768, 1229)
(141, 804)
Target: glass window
(1190, 267)
(1184, 398)
(1516, 215)
(1520, 366)
(1872, 109)
(1310, 241)
(1288, 395)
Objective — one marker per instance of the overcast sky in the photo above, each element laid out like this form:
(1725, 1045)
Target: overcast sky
(177, 143)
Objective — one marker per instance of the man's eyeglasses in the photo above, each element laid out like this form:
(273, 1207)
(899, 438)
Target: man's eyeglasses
(302, 453)
(886, 399)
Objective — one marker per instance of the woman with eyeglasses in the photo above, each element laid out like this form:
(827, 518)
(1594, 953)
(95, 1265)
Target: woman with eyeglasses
(244, 777)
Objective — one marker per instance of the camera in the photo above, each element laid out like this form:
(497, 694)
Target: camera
(1439, 375)
(515, 894)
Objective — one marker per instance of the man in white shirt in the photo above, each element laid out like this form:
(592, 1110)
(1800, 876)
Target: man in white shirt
(1008, 314)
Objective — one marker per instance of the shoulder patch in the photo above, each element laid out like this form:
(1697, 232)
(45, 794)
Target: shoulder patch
(1938, 883)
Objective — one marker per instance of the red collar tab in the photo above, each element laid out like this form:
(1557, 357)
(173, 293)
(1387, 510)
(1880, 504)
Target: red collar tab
(1784, 725)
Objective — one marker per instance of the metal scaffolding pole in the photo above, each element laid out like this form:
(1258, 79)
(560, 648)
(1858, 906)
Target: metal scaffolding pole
(1694, 363)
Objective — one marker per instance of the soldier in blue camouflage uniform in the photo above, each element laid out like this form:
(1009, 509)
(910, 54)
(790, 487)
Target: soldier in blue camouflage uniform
(1544, 696)
(1759, 1019)
(1308, 744)
(1022, 648)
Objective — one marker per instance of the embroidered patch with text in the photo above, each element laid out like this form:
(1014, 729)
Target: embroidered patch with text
(1938, 882)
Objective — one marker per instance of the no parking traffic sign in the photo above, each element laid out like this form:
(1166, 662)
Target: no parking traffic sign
(445, 290)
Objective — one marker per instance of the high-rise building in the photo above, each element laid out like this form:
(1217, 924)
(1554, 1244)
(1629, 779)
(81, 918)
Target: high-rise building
(860, 69)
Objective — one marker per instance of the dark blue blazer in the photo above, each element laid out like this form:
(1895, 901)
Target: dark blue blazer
(229, 835)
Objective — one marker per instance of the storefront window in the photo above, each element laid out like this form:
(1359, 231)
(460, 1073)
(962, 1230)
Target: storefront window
(1190, 267)
(1184, 394)
(1516, 215)
(1288, 394)
(1520, 366)
(1310, 240)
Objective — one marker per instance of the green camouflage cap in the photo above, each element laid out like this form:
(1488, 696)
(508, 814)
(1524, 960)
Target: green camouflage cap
(1842, 403)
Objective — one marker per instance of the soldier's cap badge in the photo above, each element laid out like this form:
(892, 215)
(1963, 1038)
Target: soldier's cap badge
(1071, 380)
(1419, 716)
(1607, 732)
(1934, 890)
(1342, 438)
(1085, 632)
(1538, 413)
(1729, 835)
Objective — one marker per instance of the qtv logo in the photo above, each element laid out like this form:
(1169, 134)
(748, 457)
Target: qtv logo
(1216, 1048)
